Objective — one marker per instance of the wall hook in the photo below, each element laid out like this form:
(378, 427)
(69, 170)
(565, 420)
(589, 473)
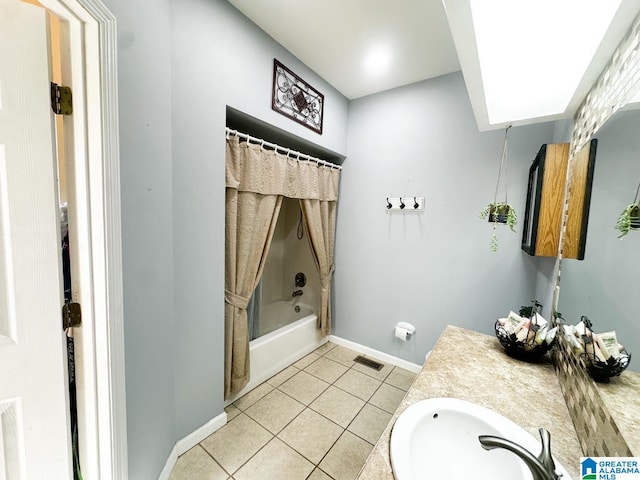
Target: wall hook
(393, 204)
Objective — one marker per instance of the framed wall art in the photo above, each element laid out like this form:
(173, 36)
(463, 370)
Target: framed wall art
(296, 99)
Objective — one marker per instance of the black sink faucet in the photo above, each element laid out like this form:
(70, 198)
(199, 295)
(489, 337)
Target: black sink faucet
(542, 467)
(297, 293)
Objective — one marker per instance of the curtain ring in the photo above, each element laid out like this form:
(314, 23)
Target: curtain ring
(388, 204)
(402, 205)
(415, 203)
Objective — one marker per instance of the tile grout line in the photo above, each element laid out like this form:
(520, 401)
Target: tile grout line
(366, 402)
(308, 407)
(329, 449)
(379, 387)
(316, 465)
(211, 456)
(256, 453)
(318, 468)
(276, 435)
(351, 393)
(323, 390)
(287, 424)
(251, 457)
(344, 429)
(319, 378)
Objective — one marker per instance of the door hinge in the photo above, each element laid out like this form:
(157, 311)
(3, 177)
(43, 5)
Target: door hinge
(71, 315)
(61, 99)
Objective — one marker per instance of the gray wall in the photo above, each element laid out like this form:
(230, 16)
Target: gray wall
(219, 58)
(144, 83)
(435, 268)
(180, 64)
(604, 286)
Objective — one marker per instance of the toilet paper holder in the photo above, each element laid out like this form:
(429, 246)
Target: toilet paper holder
(404, 330)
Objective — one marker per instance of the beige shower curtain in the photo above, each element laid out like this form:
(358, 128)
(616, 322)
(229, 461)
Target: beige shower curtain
(257, 179)
(251, 220)
(320, 219)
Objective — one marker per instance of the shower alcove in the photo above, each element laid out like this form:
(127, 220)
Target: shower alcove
(274, 303)
(283, 327)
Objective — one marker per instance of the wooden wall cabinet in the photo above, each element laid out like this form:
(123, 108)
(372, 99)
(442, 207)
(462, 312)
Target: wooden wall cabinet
(575, 239)
(545, 201)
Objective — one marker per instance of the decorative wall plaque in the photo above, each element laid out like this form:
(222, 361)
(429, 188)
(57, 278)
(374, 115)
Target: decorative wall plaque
(296, 99)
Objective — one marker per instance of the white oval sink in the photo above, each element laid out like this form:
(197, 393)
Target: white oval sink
(438, 439)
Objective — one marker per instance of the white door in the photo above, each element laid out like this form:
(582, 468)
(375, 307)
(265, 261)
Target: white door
(34, 433)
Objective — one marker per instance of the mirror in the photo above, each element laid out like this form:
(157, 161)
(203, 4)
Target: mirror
(602, 285)
(605, 286)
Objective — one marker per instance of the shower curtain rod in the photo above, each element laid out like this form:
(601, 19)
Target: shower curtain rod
(286, 151)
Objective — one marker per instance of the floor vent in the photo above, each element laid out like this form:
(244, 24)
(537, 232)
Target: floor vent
(368, 362)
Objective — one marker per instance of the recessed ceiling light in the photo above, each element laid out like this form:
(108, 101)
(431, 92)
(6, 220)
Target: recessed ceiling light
(534, 54)
(377, 60)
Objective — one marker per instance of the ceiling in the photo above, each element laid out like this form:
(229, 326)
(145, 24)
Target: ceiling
(335, 38)
(362, 47)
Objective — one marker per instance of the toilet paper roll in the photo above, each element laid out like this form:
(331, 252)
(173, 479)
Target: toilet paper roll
(402, 333)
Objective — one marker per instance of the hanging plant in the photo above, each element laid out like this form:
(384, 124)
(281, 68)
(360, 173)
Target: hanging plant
(629, 219)
(500, 212)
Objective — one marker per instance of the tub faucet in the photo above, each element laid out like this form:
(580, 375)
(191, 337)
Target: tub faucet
(297, 293)
(542, 468)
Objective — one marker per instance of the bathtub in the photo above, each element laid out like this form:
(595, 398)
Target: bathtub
(280, 313)
(292, 336)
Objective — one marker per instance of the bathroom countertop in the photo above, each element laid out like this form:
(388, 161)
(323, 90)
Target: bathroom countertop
(623, 402)
(473, 366)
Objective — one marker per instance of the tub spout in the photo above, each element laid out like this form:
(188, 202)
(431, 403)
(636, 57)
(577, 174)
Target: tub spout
(297, 293)
(542, 468)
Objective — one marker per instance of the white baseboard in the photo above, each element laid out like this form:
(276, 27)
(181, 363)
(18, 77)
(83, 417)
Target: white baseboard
(169, 464)
(378, 355)
(191, 441)
(201, 433)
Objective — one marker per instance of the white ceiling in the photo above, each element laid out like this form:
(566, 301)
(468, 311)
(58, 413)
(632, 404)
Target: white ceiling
(336, 38)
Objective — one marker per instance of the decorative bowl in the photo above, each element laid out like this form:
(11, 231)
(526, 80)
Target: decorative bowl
(528, 349)
(603, 371)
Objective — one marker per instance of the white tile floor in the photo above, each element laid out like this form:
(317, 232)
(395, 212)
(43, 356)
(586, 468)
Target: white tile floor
(315, 420)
